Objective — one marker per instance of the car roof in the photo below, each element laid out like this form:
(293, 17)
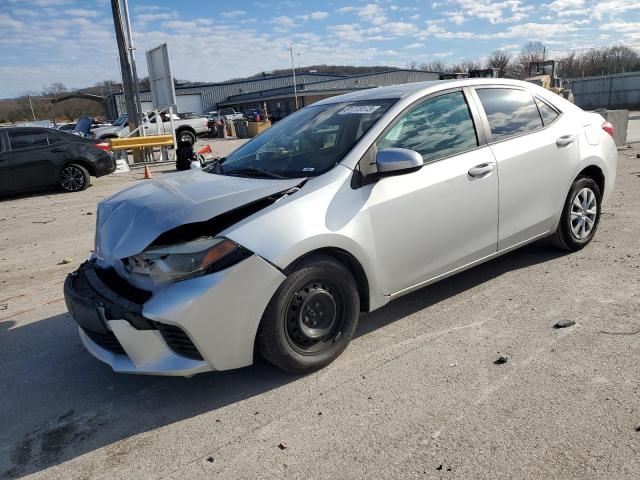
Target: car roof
(411, 89)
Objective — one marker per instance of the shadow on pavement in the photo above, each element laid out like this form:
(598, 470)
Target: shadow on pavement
(58, 402)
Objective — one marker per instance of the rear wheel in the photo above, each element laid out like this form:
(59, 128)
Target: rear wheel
(580, 215)
(186, 136)
(74, 177)
(311, 318)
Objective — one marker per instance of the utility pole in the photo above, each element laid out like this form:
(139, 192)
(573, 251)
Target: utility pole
(293, 70)
(131, 49)
(34, 113)
(127, 75)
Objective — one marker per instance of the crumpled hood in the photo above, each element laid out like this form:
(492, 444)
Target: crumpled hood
(130, 220)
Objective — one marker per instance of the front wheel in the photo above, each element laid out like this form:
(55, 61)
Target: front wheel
(74, 177)
(311, 318)
(580, 215)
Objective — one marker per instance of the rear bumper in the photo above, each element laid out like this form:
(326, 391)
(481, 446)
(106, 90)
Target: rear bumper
(105, 165)
(206, 323)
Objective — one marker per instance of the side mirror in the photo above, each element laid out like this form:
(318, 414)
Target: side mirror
(398, 160)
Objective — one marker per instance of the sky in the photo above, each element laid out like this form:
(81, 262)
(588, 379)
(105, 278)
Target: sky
(73, 42)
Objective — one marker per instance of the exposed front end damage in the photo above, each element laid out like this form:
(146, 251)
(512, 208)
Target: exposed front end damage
(197, 325)
(137, 323)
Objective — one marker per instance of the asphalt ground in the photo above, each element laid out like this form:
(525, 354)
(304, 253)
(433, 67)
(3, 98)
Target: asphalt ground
(416, 395)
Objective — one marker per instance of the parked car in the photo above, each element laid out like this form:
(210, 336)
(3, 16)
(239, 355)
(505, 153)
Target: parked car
(336, 210)
(229, 114)
(111, 131)
(255, 115)
(95, 124)
(33, 158)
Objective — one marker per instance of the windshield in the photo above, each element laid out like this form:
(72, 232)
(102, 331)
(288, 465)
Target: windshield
(307, 143)
(120, 121)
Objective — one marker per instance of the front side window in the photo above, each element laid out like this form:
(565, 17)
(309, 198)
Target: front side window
(438, 127)
(509, 111)
(307, 143)
(20, 139)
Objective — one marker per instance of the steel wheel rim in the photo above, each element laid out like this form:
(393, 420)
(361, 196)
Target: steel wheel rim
(314, 317)
(72, 179)
(584, 210)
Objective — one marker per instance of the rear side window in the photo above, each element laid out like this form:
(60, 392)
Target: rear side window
(548, 113)
(19, 139)
(439, 127)
(53, 138)
(510, 112)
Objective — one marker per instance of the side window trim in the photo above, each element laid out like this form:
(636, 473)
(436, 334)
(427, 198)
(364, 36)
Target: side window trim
(485, 119)
(27, 130)
(537, 99)
(482, 122)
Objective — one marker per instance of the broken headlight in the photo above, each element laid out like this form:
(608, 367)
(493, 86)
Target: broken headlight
(185, 260)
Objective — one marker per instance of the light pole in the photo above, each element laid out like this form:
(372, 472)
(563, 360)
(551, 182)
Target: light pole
(293, 70)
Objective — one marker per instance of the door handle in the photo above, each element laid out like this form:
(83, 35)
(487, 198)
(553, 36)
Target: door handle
(565, 140)
(3, 158)
(481, 170)
(58, 149)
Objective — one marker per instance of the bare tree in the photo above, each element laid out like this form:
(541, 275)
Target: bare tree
(500, 59)
(531, 52)
(434, 66)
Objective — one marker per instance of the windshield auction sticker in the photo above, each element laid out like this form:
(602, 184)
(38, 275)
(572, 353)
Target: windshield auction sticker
(358, 110)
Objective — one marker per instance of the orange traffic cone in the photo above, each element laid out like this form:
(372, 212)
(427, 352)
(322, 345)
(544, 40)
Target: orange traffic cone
(147, 172)
(205, 149)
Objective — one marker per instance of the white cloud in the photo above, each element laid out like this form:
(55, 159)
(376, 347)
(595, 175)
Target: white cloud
(179, 25)
(415, 46)
(507, 11)
(153, 17)
(284, 21)
(318, 15)
(233, 13)
(81, 12)
(372, 13)
(10, 23)
(350, 32)
(622, 27)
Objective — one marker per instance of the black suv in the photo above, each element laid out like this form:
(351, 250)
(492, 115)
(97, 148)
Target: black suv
(33, 158)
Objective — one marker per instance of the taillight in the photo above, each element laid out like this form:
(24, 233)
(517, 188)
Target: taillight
(608, 127)
(103, 146)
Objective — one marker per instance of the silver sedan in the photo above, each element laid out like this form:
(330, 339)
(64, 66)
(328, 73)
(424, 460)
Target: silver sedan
(336, 210)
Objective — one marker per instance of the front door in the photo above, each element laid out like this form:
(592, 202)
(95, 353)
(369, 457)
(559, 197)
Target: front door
(443, 216)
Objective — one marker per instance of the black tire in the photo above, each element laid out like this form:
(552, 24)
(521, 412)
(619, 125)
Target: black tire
(74, 178)
(565, 236)
(324, 290)
(186, 136)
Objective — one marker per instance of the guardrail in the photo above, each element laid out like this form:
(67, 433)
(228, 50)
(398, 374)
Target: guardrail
(129, 143)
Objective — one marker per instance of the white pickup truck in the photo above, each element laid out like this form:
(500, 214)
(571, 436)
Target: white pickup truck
(187, 130)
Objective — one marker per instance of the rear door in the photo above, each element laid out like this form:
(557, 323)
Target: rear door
(32, 161)
(5, 183)
(535, 159)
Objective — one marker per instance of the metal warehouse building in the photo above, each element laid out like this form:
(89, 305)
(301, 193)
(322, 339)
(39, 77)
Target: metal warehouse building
(276, 91)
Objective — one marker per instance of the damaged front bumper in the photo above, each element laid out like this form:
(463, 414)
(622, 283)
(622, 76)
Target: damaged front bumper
(187, 327)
